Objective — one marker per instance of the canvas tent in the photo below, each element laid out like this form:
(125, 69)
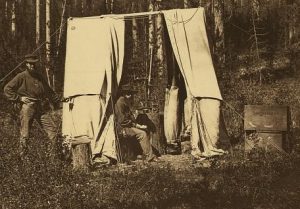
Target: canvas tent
(94, 66)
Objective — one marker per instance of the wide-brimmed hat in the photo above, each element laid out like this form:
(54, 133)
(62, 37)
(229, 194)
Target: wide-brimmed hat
(30, 58)
(127, 89)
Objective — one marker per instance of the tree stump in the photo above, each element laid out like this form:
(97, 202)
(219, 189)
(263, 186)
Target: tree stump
(158, 140)
(81, 154)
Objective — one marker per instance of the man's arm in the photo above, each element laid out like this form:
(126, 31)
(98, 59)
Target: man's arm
(125, 117)
(51, 95)
(120, 111)
(11, 88)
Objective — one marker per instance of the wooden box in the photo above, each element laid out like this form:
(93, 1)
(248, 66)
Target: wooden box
(266, 126)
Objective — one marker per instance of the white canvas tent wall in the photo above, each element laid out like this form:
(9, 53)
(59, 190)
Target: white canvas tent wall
(93, 69)
(94, 61)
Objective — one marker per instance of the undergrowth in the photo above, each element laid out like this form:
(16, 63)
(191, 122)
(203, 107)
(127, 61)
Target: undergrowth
(236, 180)
(257, 179)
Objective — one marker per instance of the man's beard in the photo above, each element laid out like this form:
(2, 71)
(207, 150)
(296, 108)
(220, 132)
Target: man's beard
(32, 72)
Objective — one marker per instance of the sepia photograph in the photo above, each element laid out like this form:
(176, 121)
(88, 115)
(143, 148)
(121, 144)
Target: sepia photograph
(150, 104)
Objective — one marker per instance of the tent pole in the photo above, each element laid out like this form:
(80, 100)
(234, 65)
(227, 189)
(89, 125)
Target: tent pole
(118, 146)
(150, 72)
(137, 14)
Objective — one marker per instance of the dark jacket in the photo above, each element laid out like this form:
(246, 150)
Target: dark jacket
(25, 84)
(124, 117)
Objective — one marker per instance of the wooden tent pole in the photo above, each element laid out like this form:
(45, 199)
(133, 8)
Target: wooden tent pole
(118, 146)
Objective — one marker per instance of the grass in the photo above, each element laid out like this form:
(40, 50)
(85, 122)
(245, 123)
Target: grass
(237, 180)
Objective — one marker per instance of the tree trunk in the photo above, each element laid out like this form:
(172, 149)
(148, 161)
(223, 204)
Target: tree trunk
(111, 6)
(64, 5)
(107, 6)
(83, 7)
(78, 8)
(6, 10)
(2, 18)
(151, 32)
(218, 9)
(13, 19)
(48, 44)
(155, 76)
(28, 23)
(37, 22)
(254, 19)
(134, 32)
(185, 4)
(160, 58)
(151, 27)
(81, 154)
(89, 7)
(72, 5)
(292, 25)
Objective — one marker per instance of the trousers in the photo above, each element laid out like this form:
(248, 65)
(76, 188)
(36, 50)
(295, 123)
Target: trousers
(30, 112)
(143, 139)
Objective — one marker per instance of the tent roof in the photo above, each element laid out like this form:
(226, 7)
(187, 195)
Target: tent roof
(131, 15)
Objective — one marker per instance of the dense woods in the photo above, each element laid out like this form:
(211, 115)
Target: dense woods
(248, 35)
(254, 44)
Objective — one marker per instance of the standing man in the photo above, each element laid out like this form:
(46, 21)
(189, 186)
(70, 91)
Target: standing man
(29, 89)
(127, 126)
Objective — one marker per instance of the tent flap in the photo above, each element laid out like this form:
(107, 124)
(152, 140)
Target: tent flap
(186, 28)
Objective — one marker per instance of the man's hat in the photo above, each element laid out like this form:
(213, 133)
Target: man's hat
(127, 89)
(30, 58)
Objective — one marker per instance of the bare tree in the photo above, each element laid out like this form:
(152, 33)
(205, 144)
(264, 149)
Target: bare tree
(48, 44)
(134, 31)
(159, 40)
(185, 4)
(37, 22)
(61, 26)
(13, 18)
(151, 43)
(107, 6)
(111, 6)
(218, 11)
(151, 26)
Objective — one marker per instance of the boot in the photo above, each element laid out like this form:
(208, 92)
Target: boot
(23, 149)
(50, 152)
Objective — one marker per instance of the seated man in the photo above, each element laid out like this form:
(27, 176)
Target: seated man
(126, 125)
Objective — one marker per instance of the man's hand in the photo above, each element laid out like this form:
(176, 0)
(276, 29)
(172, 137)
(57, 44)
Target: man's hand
(27, 100)
(141, 126)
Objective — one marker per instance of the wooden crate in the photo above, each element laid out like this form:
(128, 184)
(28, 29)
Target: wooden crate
(266, 126)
